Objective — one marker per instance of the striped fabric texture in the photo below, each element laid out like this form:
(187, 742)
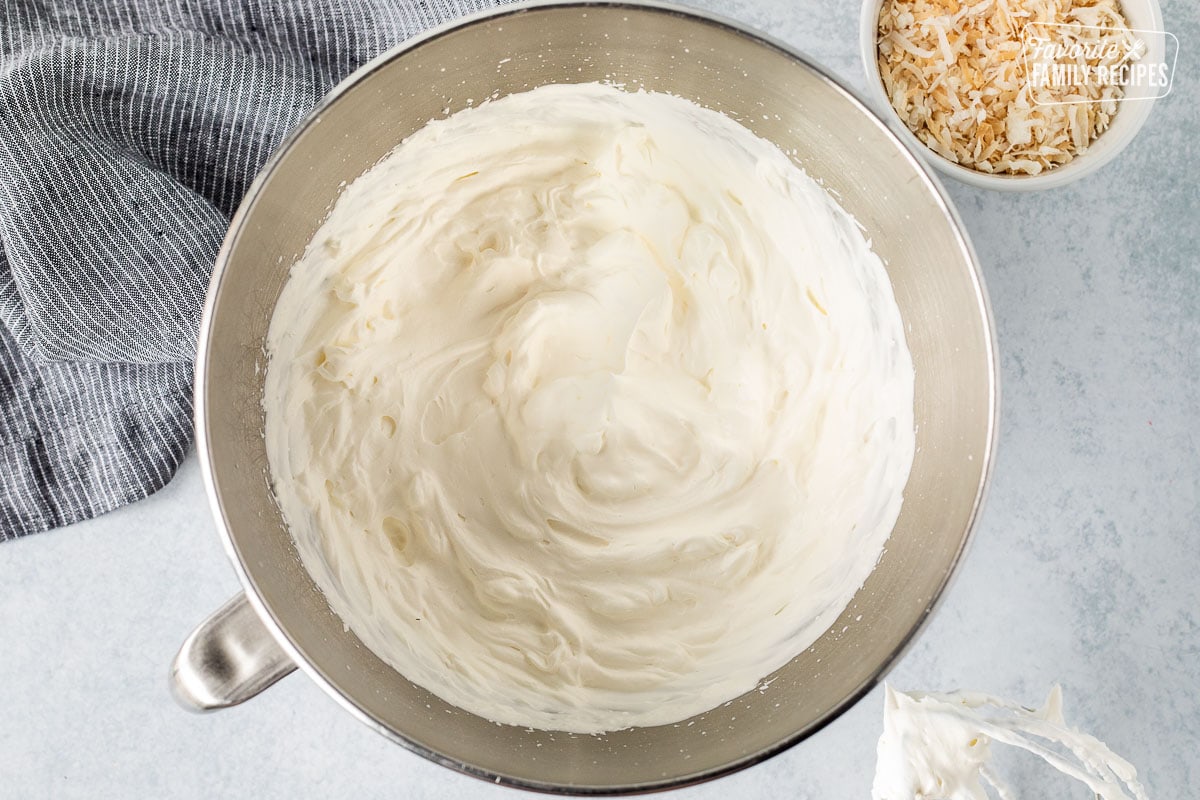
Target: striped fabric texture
(129, 130)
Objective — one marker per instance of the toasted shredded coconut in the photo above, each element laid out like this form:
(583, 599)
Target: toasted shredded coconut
(955, 72)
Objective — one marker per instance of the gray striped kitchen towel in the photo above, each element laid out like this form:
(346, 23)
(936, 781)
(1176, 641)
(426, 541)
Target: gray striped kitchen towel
(129, 130)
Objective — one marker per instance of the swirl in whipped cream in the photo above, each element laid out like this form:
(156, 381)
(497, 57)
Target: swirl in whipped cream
(588, 409)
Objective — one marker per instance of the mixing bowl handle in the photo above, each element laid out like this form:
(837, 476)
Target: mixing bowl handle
(227, 660)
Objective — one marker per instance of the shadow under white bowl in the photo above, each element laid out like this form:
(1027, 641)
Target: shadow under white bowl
(1144, 16)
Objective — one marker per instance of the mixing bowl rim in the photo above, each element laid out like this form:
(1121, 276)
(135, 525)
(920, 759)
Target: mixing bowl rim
(204, 451)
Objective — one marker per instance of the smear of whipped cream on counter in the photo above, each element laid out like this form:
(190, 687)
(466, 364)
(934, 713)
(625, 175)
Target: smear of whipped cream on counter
(938, 747)
(588, 409)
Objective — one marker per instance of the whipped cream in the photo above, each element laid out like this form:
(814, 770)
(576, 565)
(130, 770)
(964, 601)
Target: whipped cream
(938, 747)
(588, 409)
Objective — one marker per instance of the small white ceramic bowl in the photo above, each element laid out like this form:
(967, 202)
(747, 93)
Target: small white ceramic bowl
(1144, 16)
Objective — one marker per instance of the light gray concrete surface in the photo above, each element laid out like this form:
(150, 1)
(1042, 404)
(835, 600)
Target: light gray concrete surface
(1086, 570)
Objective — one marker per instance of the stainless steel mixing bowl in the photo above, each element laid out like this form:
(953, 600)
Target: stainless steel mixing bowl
(283, 621)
